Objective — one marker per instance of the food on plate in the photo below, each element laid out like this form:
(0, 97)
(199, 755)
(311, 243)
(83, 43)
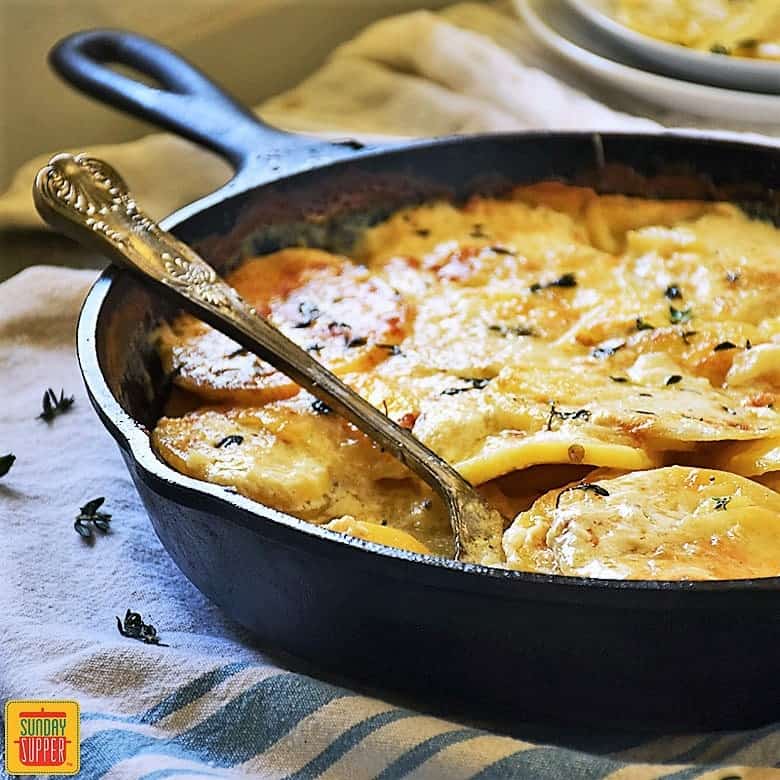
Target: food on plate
(741, 28)
(532, 341)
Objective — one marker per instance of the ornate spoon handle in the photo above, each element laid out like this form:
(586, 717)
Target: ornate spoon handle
(87, 200)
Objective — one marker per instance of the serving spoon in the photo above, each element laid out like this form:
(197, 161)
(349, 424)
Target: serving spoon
(88, 201)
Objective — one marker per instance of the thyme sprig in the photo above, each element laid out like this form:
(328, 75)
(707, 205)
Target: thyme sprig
(721, 503)
(133, 627)
(89, 516)
(52, 406)
(557, 414)
(6, 461)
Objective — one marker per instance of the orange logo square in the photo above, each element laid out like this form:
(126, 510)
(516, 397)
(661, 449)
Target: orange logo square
(42, 737)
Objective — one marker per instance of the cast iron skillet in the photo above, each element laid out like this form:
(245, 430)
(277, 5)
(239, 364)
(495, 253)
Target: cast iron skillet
(488, 642)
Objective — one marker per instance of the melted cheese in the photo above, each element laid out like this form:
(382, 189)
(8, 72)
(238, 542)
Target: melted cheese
(668, 524)
(326, 304)
(531, 337)
(314, 466)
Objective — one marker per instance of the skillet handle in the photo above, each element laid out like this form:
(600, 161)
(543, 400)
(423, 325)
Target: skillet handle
(186, 101)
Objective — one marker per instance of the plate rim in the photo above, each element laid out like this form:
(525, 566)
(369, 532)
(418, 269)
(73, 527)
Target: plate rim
(630, 78)
(619, 31)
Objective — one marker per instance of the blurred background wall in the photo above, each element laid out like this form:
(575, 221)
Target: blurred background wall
(254, 47)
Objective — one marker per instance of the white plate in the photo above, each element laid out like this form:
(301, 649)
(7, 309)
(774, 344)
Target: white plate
(553, 24)
(673, 60)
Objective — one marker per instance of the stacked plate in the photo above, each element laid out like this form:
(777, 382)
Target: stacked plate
(588, 34)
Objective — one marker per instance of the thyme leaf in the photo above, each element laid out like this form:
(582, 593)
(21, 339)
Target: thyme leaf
(310, 313)
(475, 383)
(320, 407)
(556, 414)
(587, 486)
(511, 330)
(721, 503)
(679, 316)
(607, 350)
(393, 349)
(673, 379)
(6, 461)
(52, 406)
(673, 292)
(229, 441)
(89, 516)
(567, 280)
(133, 627)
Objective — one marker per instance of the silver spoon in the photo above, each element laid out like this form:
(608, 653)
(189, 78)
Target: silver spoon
(88, 201)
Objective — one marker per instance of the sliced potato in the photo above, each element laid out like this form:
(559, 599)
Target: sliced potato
(663, 524)
(330, 306)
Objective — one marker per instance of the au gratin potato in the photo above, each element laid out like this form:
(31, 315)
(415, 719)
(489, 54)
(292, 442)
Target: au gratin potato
(604, 368)
(739, 28)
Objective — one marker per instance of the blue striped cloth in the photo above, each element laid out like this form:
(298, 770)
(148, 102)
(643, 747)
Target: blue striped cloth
(212, 704)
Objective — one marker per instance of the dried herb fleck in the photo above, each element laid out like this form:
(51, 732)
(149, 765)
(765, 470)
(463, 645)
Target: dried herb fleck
(500, 250)
(733, 276)
(724, 345)
(621, 379)
(360, 341)
(309, 312)
(240, 352)
(679, 316)
(720, 48)
(673, 292)
(607, 350)
(477, 231)
(721, 503)
(686, 334)
(52, 406)
(511, 330)
(133, 627)
(315, 348)
(557, 414)
(567, 280)
(393, 349)
(674, 379)
(423, 232)
(320, 407)
(591, 487)
(89, 516)
(643, 324)
(6, 461)
(475, 383)
(230, 441)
